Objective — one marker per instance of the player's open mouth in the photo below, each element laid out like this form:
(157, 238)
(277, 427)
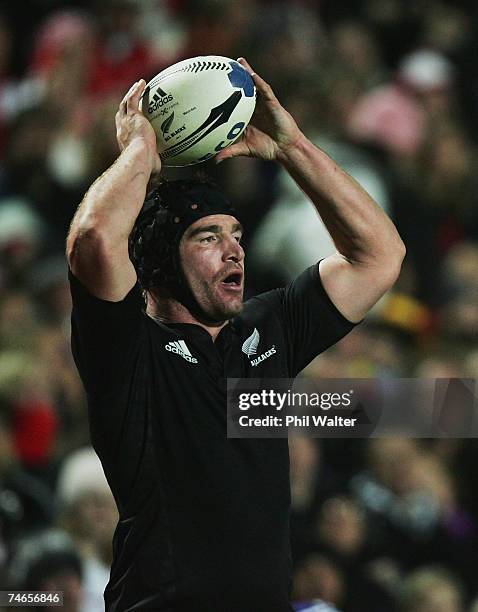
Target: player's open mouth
(233, 281)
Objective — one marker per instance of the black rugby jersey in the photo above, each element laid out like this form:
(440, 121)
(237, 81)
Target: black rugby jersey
(204, 520)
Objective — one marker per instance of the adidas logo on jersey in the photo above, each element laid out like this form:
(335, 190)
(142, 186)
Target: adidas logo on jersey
(179, 347)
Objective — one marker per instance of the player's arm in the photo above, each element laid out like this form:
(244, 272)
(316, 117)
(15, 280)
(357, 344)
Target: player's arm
(97, 243)
(370, 250)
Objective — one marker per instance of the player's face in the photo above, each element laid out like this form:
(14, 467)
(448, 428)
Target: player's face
(213, 264)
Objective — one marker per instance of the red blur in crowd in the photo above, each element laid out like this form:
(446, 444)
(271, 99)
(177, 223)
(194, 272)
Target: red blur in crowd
(35, 424)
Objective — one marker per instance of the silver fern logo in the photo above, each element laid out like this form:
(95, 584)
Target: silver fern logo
(166, 125)
(249, 346)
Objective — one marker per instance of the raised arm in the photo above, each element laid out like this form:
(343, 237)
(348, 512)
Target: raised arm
(370, 251)
(97, 243)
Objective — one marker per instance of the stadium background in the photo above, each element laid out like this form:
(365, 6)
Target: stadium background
(389, 89)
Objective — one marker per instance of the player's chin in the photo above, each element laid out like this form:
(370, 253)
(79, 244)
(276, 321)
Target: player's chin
(229, 306)
(235, 309)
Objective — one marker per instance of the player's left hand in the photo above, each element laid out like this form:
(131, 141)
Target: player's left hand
(272, 129)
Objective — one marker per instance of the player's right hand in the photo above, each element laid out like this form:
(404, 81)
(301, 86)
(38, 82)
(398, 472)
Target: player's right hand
(131, 124)
(272, 130)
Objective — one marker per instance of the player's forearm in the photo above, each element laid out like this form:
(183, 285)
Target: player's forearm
(113, 202)
(360, 229)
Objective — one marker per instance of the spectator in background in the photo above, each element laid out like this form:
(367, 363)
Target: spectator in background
(430, 590)
(474, 607)
(318, 578)
(353, 49)
(26, 503)
(21, 236)
(393, 491)
(120, 50)
(31, 139)
(306, 241)
(341, 527)
(34, 422)
(307, 481)
(88, 514)
(48, 561)
(342, 532)
(48, 285)
(62, 58)
(305, 467)
(458, 295)
(373, 350)
(412, 502)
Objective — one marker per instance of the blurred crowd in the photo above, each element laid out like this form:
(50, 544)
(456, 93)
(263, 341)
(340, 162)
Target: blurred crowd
(390, 90)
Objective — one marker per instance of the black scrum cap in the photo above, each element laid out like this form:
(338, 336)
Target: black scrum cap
(168, 211)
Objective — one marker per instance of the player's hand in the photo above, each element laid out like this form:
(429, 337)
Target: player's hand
(272, 130)
(131, 124)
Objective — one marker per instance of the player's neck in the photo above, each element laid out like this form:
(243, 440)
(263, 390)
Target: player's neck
(162, 307)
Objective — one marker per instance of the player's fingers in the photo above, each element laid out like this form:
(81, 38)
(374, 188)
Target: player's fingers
(123, 104)
(136, 94)
(133, 96)
(246, 65)
(234, 150)
(264, 89)
(123, 107)
(262, 86)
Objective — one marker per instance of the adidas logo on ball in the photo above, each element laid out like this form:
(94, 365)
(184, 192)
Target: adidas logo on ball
(159, 99)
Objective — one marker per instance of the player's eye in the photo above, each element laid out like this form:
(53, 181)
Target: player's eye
(210, 238)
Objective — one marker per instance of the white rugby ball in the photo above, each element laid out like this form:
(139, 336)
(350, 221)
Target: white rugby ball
(198, 107)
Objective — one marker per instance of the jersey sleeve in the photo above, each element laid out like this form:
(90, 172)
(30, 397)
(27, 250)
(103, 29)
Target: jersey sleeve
(105, 336)
(312, 323)
(109, 345)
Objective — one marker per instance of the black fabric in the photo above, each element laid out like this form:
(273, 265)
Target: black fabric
(204, 520)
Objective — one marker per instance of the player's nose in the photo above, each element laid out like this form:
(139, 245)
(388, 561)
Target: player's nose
(233, 251)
